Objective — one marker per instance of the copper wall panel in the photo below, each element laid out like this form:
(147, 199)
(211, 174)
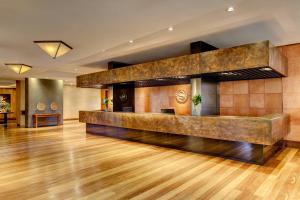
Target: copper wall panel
(257, 86)
(278, 61)
(240, 87)
(257, 101)
(252, 97)
(291, 90)
(273, 85)
(226, 101)
(226, 87)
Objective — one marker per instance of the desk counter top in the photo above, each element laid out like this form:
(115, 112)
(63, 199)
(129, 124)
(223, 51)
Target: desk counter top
(266, 130)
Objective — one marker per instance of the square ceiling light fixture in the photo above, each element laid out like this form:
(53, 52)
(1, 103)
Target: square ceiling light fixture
(18, 68)
(54, 48)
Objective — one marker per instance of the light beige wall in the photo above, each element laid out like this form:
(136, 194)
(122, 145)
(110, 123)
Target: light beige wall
(76, 99)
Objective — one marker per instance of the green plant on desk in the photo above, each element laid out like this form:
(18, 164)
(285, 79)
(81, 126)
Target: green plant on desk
(106, 102)
(196, 99)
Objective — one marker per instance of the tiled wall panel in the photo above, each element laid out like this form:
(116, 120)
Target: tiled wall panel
(251, 97)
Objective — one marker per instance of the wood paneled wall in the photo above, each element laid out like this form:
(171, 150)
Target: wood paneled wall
(18, 102)
(12, 92)
(251, 97)
(291, 90)
(152, 99)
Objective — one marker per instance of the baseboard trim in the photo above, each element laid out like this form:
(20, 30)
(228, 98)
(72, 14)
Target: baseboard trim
(293, 144)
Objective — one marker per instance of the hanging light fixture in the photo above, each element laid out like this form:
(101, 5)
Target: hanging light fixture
(54, 48)
(18, 68)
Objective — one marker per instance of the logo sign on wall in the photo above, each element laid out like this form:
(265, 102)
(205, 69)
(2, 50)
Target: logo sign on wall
(181, 96)
(123, 97)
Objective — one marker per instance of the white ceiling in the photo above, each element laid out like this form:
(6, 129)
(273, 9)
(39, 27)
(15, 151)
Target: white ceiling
(99, 30)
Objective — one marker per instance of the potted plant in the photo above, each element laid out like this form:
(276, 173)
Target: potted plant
(107, 101)
(196, 99)
(4, 106)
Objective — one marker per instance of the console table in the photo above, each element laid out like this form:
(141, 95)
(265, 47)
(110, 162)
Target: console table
(5, 117)
(37, 116)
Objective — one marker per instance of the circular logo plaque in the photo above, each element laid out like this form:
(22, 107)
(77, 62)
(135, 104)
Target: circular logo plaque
(181, 96)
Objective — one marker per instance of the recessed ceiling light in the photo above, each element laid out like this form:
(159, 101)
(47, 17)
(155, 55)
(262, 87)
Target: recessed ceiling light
(224, 73)
(130, 41)
(170, 28)
(180, 77)
(229, 74)
(265, 69)
(230, 9)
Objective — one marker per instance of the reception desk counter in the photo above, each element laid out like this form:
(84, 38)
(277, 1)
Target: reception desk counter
(261, 131)
(265, 130)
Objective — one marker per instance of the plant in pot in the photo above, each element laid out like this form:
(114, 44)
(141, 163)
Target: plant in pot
(4, 106)
(107, 101)
(196, 99)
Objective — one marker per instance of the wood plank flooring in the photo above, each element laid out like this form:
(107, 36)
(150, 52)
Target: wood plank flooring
(66, 163)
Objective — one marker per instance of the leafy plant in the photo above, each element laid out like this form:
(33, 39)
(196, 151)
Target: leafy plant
(107, 101)
(196, 99)
(7, 107)
(4, 106)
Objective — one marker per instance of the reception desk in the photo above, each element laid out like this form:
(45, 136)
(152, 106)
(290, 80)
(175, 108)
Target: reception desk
(228, 136)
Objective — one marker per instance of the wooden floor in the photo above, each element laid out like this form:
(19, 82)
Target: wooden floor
(65, 163)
